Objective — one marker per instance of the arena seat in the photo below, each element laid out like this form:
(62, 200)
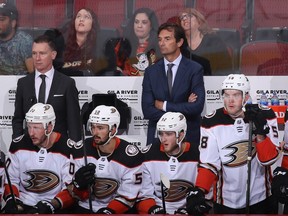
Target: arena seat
(225, 14)
(41, 13)
(257, 53)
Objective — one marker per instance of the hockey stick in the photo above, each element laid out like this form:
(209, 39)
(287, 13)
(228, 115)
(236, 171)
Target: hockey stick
(84, 109)
(165, 182)
(249, 158)
(8, 179)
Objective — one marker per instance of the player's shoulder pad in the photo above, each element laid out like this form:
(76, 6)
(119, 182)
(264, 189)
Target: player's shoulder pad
(18, 139)
(131, 150)
(263, 107)
(146, 148)
(210, 115)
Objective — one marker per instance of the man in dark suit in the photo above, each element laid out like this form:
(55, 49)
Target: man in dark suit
(188, 93)
(60, 91)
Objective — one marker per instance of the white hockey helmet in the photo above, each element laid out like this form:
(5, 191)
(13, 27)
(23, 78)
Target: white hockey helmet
(236, 82)
(172, 121)
(41, 113)
(103, 114)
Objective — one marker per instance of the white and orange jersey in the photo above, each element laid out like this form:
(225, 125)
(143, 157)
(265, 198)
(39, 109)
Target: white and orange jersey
(118, 175)
(39, 174)
(285, 144)
(223, 158)
(181, 170)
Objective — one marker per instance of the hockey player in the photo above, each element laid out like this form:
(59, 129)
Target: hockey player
(118, 173)
(39, 165)
(223, 154)
(280, 179)
(175, 159)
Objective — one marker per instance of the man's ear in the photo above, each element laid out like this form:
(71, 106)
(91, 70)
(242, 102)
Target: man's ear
(180, 42)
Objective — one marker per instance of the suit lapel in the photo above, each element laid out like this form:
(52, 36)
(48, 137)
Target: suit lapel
(179, 76)
(163, 77)
(55, 83)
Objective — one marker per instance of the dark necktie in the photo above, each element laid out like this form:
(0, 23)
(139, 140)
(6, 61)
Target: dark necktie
(170, 76)
(42, 90)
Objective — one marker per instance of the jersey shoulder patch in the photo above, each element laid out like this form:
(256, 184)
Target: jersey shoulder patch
(210, 115)
(131, 150)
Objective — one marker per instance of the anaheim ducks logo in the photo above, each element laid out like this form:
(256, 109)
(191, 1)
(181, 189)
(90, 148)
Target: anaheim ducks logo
(239, 153)
(104, 187)
(41, 181)
(177, 191)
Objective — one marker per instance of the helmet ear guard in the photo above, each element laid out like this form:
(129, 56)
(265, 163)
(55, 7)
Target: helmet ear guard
(173, 121)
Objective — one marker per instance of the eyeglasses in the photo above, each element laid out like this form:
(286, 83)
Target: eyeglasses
(185, 16)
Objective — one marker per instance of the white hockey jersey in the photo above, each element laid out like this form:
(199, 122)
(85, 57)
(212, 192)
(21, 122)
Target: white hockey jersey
(39, 174)
(223, 151)
(118, 175)
(180, 170)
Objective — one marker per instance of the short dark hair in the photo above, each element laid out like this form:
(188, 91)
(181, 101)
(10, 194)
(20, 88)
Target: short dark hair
(178, 30)
(46, 39)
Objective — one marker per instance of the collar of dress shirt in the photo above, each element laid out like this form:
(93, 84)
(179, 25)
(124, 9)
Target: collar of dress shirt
(49, 74)
(176, 62)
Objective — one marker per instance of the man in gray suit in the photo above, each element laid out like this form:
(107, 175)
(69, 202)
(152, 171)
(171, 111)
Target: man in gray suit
(59, 90)
(186, 93)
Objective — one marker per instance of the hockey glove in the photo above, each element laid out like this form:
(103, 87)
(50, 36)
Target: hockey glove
(181, 211)
(156, 210)
(253, 113)
(13, 207)
(84, 176)
(196, 203)
(280, 184)
(105, 211)
(42, 207)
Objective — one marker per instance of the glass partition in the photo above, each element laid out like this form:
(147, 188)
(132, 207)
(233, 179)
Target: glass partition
(119, 37)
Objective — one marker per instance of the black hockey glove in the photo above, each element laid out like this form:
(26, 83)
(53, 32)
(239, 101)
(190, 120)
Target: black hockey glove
(13, 207)
(280, 184)
(42, 207)
(253, 113)
(181, 211)
(105, 211)
(156, 210)
(84, 176)
(196, 203)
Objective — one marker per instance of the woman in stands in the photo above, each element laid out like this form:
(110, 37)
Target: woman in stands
(204, 42)
(80, 55)
(141, 32)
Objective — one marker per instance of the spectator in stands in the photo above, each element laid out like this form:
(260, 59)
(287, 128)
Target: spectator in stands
(15, 45)
(277, 66)
(141, 31)
(185, 50)
(80, 55)
(204, 42)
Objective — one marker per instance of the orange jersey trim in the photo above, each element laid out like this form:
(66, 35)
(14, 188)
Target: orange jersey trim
(205, 179)
(118, 207)
(144, 206)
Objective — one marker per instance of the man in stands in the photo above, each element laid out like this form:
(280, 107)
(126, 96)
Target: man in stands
(15, 45)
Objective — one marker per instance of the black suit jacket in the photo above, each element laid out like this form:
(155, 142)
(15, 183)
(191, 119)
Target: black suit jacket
(63, 96)
(189, 79)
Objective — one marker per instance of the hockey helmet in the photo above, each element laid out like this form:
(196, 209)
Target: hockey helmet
(41, 113)
(103, 114)
(172, 121)
(236, 82)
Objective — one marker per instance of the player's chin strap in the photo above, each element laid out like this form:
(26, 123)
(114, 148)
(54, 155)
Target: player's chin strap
(110, 136)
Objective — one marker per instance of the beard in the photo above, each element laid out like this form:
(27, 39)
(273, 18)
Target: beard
(5, 34)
